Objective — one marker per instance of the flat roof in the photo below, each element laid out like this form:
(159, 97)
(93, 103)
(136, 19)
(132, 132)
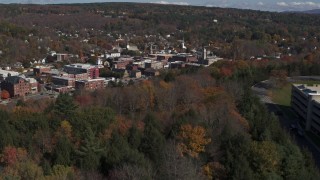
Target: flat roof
(91, 80)
(79, 65)
(61, 77)
(6, 72)
(309, 89)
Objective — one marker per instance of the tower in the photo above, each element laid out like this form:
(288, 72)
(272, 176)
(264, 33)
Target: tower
(182, 45)
(204, 53)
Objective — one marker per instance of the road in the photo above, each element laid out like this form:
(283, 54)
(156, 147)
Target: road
(261, 90)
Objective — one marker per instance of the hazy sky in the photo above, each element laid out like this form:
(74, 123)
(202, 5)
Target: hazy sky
(269, 5)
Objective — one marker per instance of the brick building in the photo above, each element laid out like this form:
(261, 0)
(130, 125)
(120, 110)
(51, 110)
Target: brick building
(40, 69)
(184, 58)
(122, 63)
(92, 71)
(33, 83)
(65, 81)
(16, 86)
(83, 76)
(91, 84)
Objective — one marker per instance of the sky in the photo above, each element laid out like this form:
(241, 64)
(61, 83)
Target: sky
(264, 5)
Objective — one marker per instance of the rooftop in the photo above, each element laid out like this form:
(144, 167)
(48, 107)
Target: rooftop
(61, 77)
(91, 80)
(79, 65)
(13, 79)
(309, 89)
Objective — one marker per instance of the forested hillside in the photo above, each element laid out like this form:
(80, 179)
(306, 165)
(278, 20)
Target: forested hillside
(188, 124)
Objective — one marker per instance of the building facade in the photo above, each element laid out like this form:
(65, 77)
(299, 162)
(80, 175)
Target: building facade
(92, 71)
(65, 81)
(16, 86)
(305, 100)
(91, 84)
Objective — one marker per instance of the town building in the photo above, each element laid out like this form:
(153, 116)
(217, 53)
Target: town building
(38, 70)
(91, 84)
(82, 76)
(59, 88)
(122, 62)
(16, 86)
(151, 72)
(305, 101)
(65, 81)
(112, 55)
(33, 83)
(4, 74)
(153, 64)
(62, 56)
(177, 65)
(92, 71)
(135, 74)
(187, 58)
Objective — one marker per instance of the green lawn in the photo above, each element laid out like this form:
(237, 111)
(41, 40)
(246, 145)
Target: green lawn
(282, 96)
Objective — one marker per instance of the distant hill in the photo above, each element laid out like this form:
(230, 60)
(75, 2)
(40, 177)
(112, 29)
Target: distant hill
(314, 11)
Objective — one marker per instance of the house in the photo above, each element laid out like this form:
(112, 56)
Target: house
(16, 86)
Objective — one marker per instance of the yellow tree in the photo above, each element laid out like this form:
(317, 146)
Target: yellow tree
(265, 156)
(66, 128)
(192, 140)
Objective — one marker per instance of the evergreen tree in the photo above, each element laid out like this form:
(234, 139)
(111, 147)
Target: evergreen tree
(62, 152)
(90, 152)
(64, 106)
(152, 143)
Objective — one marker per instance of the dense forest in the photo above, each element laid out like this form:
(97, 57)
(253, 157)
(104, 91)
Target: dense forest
(199, 123)
(80, 28)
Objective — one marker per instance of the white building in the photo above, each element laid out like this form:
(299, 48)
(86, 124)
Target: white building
(4, 73)
(113, 55)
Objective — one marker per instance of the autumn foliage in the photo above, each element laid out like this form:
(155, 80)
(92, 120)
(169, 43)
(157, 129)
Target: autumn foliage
(5, 94)
(192, 140)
